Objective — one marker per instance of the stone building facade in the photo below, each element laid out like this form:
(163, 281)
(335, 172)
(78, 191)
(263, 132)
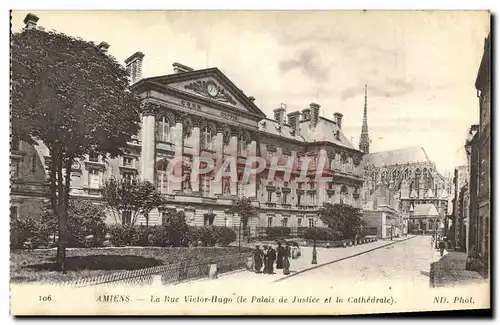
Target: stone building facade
(201, 113)
(460, 181)
(478, 150)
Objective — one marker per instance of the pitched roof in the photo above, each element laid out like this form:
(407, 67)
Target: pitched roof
(401, 156)
(324, 131)
(427, 210)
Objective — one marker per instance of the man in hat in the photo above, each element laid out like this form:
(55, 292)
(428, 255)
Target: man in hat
(257, 259)
(271, 257)
(281, 253)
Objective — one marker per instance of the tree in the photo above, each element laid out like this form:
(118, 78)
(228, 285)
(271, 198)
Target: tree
(342, 218)
(73, 97)
(244, 208)
(134, 197)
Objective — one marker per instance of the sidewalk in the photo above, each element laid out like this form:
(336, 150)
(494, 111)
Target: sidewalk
(325, 256)
(450, 271)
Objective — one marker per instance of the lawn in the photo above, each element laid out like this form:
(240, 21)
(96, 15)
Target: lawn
(39, 265)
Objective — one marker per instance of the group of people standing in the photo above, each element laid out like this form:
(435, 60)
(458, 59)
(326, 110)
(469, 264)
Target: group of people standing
(267, 256)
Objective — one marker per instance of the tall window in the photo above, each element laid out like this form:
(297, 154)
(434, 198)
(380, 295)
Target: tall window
(226, 186)
(299, 222)
(312, 198)
(14, 168)
(128, 161)
(93, 157)
(206, 186)
(299, 198)
(285, 197)
(284, 222)
(343, 194)
(161, 176)
(129, 177)
(417, 179)
(126, 217)
(206, 138)
(311, 222)
(163, 129)
(94, 178)
(269, 221)
(15, 144)
(33, 163)
(269, 196)
(241, 189)
(13, 212)
(242, 145)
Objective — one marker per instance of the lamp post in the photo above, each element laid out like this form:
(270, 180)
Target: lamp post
(314, 253)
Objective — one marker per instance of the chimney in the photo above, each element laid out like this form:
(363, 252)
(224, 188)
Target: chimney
(338, 119)
(181, 68)
(30, 21)
(134, 66)
(294, 121)
(314, 114)
(251, 98)
(279, 115)
(306, 114)
(103, 46)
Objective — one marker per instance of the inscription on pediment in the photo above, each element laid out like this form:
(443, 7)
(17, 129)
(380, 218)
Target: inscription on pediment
(210, 89)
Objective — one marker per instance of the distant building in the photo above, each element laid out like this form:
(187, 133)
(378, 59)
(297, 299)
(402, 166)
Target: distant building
(478, 149)
(425, 219)
(460, 182)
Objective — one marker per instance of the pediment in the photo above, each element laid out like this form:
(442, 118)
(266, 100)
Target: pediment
(210, 85)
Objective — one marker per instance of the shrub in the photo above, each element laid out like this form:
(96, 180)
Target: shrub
(158, 236)
(28, 230)
(319, 233)
(274, 232)
(120, 235)
(177, 230)
(139, 236)
(225, 236)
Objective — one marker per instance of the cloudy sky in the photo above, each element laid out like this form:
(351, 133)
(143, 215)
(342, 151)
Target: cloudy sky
(420, 66)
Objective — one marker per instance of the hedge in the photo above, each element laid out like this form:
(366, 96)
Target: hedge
(275, 232)
(320, 233)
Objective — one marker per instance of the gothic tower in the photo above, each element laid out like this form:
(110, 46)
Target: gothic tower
(364, 140)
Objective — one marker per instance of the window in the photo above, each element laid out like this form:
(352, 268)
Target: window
(126, 217)
(311, 222)
(241, 189)
(299, 222)
(312, 186)
(208, 219)
(13, 212)
(312, 198)
(206, 138)
(269, 196)
(269, 221)
(242, 145)
(33, 163)
(128, 177)
(226, 186)
(285, 197)
(15, 144)
(93, 157)
(206, 186)
(128, 161)
(330, 185)
(94, 178)
(299, 198)
(343, 194)
(284, 222)
(161, 176)
(14, 168)
(163, 129)
(299, 185)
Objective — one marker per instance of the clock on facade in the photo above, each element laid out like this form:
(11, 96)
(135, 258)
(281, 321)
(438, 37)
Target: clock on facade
(212, 89)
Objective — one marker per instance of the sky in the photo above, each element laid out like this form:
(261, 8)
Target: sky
(420, 66)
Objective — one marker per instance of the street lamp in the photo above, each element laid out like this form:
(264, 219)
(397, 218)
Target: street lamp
(314, 253)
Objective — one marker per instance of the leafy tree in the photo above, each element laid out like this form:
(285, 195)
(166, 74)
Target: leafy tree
(244, 208)
(137, 197)
(177, 228)
(342, 218)
(73, 97)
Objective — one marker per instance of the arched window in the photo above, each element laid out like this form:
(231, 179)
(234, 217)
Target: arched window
(417, 179)
(242, 144)
(343, 194)
(406, 174)
(374, 177)
(161, 176)
(206, 138)
(163, 129)
(383, 177)
(395, 176)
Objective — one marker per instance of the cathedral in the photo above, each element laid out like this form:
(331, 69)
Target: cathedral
(401, 181)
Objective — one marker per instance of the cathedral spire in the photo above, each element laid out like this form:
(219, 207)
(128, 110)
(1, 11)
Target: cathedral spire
(364, 140)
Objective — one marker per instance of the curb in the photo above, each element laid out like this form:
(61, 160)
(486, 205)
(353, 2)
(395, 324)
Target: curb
(340, 259)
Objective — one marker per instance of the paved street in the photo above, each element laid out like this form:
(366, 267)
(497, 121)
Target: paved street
(407, 260)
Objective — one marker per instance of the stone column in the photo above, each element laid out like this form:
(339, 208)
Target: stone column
(233, 152)
(179, 151)
(148, 142)
(251, 188)
(195, 182)
(219, 155)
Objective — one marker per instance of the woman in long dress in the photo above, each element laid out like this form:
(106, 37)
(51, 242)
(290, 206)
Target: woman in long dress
(281, 252)
(286, 260)
(257, 258)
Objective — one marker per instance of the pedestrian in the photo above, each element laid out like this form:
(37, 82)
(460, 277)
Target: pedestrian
(257, 259)
(271, 257)
(286, 260)
(281, 252)
(265, 256)
(441, 247)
